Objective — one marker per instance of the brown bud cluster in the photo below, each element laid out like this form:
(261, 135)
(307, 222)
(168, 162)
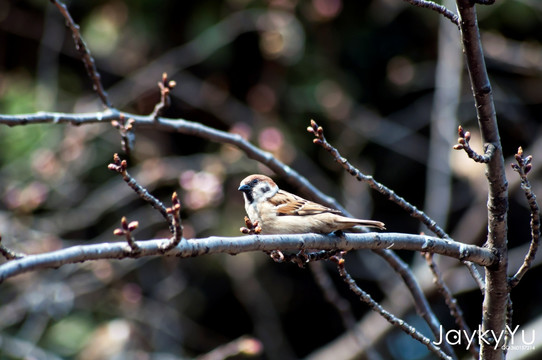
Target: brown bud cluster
(126, 227)
(251, 227)
(118, 165)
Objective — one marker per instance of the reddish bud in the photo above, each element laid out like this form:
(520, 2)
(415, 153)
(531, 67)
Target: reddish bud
(528, 168)
(174, 198)
(244, 230)
(460, 131)
(467, 135)
(133, 225)
(310, 129)
(172, 84)
(124, 223)
(118, 232)
(458, 147)
(461, 141)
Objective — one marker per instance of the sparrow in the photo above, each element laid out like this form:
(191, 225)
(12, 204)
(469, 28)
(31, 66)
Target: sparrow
(280, 212)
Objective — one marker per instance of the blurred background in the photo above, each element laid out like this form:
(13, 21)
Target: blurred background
(385, 79)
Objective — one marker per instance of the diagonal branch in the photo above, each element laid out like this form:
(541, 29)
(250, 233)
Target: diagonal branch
(84, 51)
(184, 127)
(451, 302)
(420, 301)
(9, 254)
(320, 139)
(392, 319)
(441, 9)
(120, 166)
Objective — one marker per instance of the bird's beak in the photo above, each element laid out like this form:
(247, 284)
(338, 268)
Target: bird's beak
(244, 188)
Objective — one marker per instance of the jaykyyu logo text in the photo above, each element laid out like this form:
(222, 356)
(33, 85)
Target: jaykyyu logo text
(507, 338)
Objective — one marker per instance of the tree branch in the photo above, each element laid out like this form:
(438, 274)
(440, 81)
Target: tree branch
(120, 166)
(84, 51)
(523, 167)
(184, 127)
(320, 139)
(436, 7)
(451, 302)
(463, 144)
(392, 319)
(420, 301)
(236, 245)
(496, 290)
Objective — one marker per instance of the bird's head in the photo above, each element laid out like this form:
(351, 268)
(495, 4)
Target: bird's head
(257, 188)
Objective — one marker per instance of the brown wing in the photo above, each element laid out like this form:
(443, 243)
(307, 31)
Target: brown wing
(290, 204)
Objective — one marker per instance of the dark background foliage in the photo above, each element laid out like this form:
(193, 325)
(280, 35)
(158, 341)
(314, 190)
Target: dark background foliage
(365, 70)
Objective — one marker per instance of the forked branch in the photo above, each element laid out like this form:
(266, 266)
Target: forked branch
(441, 9)
(463, 144)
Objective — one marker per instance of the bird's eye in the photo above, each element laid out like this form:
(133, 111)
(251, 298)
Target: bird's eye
(254, 182)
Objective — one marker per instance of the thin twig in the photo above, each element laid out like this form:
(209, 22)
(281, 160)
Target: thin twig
(120, 166)
(523, 167)
(420, 301)
(126, 231)
(84, 51)
(454, 18)
(320, 139)
(451, 302)
(9, 254)
(332, 296)
(236, 245)
(392, 319)
(175, 211)
(242, 347)
(476, 275)
(165, 86)
(463, 144)
(126, 130)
